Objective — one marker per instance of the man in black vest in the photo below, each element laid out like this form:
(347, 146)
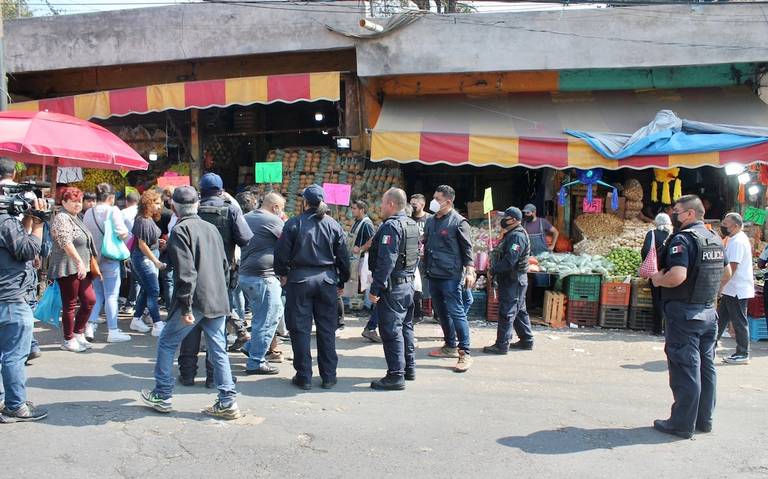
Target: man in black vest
(510, 270)
(394, 256)
(693, 266)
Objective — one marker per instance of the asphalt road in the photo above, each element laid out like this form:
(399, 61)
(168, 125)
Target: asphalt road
(580, 405)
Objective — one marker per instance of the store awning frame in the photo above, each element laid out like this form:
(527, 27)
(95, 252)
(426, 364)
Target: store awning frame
(242, 91)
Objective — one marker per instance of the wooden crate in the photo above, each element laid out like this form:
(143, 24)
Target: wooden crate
(554, 309)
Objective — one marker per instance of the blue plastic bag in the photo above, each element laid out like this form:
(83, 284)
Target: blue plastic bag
(49, 308)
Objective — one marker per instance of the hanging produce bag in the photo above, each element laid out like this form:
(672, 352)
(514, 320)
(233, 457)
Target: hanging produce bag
(650, 266)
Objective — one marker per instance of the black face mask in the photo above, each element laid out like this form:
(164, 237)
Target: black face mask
(676, 221)
(528, 218)
(724, 231)
(504, 223)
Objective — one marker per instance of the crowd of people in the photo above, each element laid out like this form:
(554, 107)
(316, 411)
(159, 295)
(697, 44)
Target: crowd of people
(209, 257)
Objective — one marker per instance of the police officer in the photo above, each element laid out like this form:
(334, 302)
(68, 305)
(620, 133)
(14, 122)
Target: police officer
(510, 270)
(394, 256)
(693, 265)
(312, 260)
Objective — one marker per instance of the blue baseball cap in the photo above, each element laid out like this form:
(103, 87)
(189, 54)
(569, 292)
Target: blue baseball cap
(514, 213)
(314, 194)
(211, 183)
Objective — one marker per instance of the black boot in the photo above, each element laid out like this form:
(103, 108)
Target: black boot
(410, 374)
(390, 382)
(522, 345)
(494, 349)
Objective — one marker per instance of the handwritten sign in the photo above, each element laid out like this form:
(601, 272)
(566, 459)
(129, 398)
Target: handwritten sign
(337, 194)
(487, 201)
(174, 181)
(755, 215)
(595, 207)
(271, 172)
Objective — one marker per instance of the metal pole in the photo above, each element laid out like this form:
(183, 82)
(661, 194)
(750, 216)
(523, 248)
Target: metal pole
(3, 82)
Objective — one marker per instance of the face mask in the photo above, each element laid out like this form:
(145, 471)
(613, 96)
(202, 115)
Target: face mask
(676, 221)
(528, 218)
(434, 206)
(505, 223)
(724, 231)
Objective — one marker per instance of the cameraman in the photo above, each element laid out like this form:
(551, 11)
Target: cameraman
(17, 249)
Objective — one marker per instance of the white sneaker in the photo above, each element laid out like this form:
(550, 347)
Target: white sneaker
(157, 328)
(147, 319)
(72, 345)
(83, 342)
(138, 325)
(90, 330)
(117, 336)
(101, 319)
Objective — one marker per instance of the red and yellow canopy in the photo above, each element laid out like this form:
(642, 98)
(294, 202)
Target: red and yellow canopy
(197, 94)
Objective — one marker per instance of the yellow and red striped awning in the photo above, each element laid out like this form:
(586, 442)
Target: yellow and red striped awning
(527, 130)
(197, 94)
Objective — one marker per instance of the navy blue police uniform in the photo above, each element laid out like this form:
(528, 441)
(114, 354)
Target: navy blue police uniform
(691, 329)
(510, 270)
(312, 254)
(393, 259)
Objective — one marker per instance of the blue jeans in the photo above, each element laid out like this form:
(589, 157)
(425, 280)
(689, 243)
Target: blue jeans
(107, 292)
(265, 296)
(237, 301)
(16, 323)
(147, 275)
(448, 300)
(169, 341)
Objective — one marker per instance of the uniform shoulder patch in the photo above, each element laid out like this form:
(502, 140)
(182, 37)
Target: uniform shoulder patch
(677, 249)
(386, 239)
(516, 248)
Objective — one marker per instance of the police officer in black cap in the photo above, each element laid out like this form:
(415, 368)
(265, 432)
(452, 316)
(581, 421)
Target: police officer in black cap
(693, 266)
(312, 260)
(510, 271)
(394, 256)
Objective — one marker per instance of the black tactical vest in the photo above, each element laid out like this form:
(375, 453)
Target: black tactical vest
(218, 216)
(703, 280)
(408, 258)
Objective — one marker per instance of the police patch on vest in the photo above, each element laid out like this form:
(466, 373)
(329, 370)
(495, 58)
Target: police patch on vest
(386, 239)
(676, 249)
(713, 255)
(515, 248)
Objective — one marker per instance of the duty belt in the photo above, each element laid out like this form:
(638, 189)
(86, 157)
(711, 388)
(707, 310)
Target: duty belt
(401, 280)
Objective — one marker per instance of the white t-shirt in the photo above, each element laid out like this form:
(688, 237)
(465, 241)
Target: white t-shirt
(742, 284)
(129, 215)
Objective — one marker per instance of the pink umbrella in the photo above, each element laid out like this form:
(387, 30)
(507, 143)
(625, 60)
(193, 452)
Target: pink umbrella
(53, 139)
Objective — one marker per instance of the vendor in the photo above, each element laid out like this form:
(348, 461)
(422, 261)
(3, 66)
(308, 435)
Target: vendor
(537, 229)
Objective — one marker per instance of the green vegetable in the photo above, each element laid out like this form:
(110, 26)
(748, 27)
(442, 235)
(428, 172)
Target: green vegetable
(625, 261)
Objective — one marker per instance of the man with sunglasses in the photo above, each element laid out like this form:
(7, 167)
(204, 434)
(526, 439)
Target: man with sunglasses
(694, 268)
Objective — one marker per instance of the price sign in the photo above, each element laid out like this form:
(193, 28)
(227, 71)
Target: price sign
(337, 194)
(271, 172)
(595, 207)
(755, 215)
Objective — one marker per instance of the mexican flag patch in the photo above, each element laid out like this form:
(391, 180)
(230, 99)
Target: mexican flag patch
(676, 249)
(386, 239)
(516, 248)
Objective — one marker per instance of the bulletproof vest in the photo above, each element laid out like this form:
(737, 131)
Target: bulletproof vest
(408, 257)
(442, 250)
(525, 254)
(703, 280)
(218, 216)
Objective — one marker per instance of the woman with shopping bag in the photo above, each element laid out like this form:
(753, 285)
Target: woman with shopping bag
(651, 252)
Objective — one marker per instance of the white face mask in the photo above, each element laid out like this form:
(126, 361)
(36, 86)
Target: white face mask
(434, 206)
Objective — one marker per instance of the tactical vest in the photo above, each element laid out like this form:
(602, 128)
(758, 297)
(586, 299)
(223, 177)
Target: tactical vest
(218, 216)
(408, 257)
(703, 280)
(502, 250)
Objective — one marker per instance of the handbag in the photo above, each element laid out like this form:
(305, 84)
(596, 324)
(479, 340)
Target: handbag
(95, 270)
(112, 247)
(650, 265)
(48, 309)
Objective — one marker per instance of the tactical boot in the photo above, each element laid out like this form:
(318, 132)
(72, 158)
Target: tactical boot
(390, 382)
(494, 349)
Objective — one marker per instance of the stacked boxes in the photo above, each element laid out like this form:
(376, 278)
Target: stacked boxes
(614, 305)
(583, 293)
(641, 305)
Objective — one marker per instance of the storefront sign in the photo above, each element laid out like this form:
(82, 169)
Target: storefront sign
(271, 172)
(488, 201)
(174, 181)
(755, 215)
(595, 207)
(337, 194)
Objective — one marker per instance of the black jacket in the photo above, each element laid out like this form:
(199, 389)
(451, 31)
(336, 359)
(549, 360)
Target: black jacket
(660, 237)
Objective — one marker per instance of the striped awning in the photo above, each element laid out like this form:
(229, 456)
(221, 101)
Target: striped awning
(527, 130)
(197, 94)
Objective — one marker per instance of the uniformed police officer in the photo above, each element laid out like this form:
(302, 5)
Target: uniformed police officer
(394, 256)
(510, 270)
(312, 260)
(693, 265)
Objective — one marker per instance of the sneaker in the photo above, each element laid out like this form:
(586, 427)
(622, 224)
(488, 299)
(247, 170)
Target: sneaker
(151, 399)
(242, 339)
(117, 336)
(372, 335)
(444, 352)
(25, 413)
(221, 412)
(72, 345)
(737, 359)
(147, 319)
(263, 370)
(338, 333)
(465, 361)
(157, 328)
(127, 310)
(83, 342)
(90, 331)
(138, 325)
(30, 357)
(101, 319)
(275, 357)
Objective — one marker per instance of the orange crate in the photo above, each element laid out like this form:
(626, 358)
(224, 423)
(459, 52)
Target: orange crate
(615, 294)
(493, 304)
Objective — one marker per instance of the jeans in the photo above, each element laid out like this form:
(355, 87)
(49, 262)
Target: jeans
(147, 275)
(449, 303)
(16, 323)
(734, 310)
(169, 342)
(165, 278)
(107, 292)
(72, 290)
(133, 290)
(373, 321)
(265, 296)
(237, 302)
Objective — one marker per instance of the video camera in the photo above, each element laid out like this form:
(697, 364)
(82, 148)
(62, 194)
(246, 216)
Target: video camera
(15, 202)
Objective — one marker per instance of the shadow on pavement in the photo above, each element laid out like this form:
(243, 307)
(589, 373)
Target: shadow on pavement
(98, 413)
(569, 440)
(107, 383)
(606, 335)
(278, 387)
(650, 366)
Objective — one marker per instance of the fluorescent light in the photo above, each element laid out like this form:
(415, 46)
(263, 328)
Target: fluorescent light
(733, 169)
(744, 178)
(319, 116)
(152, 156)
(753, 190)
(324, 132)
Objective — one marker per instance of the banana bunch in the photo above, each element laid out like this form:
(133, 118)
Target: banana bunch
(92, 177)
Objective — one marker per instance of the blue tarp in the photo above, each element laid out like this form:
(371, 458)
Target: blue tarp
(669, 135)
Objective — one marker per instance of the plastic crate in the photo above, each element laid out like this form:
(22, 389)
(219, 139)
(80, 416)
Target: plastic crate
(540, 280)
(492, 301)
(583, 313)
(641, 319)
(758, 329)
(583, 287)
(426, 307)
(756, 306)
(642, 297)
(615, 294)
(614, 317)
